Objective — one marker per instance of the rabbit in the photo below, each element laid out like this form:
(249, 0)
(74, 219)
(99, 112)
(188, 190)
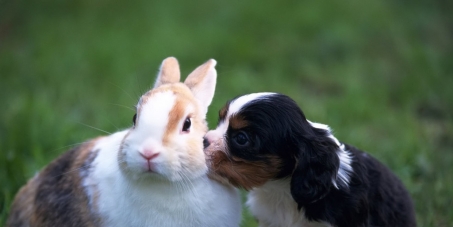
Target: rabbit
(152, 174)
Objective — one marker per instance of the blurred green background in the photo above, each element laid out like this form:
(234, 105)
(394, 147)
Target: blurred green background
(380, 73)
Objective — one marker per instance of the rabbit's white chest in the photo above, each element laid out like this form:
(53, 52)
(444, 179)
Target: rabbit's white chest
(152, 209)
(194, 205)
(201, 202)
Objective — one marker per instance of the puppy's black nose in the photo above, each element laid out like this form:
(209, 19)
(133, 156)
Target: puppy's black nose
(205, 142)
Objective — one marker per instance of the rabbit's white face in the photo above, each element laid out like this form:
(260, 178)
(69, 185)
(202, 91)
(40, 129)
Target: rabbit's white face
(167, 138)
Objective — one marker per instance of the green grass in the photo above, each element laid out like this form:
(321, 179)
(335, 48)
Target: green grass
(380, 73)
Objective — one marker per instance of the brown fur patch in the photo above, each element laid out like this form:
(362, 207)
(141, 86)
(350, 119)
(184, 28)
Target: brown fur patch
(237, 122)
(175, 116)
(177, 88)
(239, 172)
(56, 196)
(223, 112)
(23, 204)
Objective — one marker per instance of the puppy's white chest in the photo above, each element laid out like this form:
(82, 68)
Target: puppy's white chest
(273, 206)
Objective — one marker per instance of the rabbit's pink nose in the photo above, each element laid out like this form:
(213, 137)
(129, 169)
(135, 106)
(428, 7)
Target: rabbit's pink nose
(149, 155)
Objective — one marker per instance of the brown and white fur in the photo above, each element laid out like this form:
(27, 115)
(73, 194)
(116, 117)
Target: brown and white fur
(152, 174)
(297, 172)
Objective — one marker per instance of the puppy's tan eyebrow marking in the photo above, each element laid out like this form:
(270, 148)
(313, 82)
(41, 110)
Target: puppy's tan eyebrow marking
(238, 122)
(223, 112)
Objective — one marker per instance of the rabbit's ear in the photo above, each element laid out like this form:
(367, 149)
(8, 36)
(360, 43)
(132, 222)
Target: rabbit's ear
(202, 83)
(168, 73)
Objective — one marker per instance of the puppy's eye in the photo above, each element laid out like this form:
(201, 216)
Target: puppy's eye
(186, 126)
(241, 139)
(134, 118)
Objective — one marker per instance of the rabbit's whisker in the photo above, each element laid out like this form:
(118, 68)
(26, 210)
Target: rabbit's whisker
(95, 128)
(127, 93)
(124, 106)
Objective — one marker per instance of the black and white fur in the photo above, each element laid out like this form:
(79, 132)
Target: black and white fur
(297, 172)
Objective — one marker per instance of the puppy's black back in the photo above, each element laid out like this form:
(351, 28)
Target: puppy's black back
(383, 186)
(375, 197)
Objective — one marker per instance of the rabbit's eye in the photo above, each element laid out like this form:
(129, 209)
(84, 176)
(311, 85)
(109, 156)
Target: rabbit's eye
(134, 118)
(186, 126)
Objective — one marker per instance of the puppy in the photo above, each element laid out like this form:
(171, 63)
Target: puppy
(297, 172)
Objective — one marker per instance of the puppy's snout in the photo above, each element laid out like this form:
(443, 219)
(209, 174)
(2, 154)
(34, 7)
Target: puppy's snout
(206, 142)
(212, 136)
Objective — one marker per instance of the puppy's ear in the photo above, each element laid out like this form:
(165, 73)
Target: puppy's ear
(316, 168)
